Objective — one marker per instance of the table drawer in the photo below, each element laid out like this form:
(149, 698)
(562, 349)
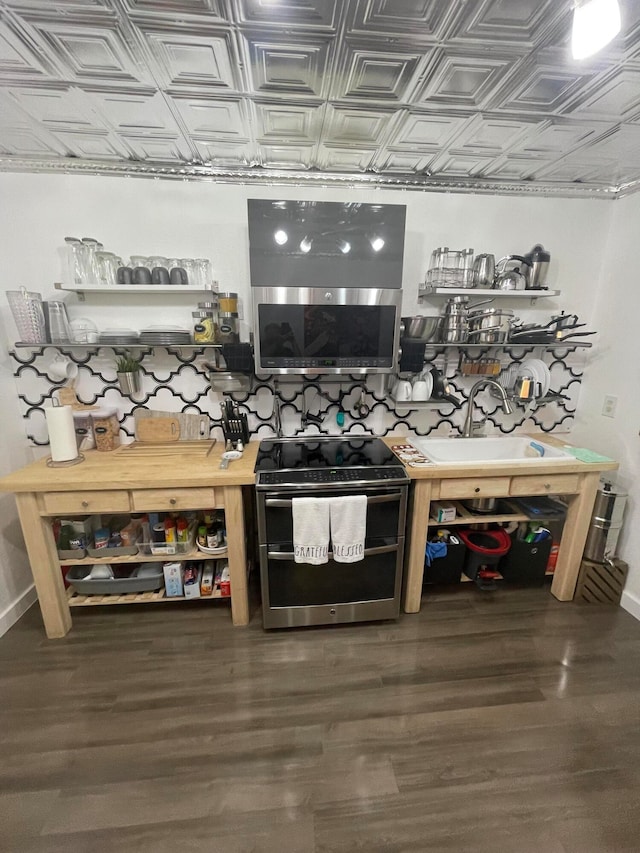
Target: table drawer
(81, 503)
(552, 484)
(170, 499)
(475, 487)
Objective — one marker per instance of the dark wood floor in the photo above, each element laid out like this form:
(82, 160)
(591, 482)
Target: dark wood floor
(500, 721)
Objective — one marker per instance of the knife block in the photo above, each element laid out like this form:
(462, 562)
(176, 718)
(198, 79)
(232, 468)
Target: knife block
(241, 433)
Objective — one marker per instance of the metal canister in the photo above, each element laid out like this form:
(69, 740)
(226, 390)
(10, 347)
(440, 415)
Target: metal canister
(606, 521)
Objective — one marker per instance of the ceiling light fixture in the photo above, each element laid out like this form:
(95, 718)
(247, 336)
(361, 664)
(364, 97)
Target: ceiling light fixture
(280, 237)
(595, 24)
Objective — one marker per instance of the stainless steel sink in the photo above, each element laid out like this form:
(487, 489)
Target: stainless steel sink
(465, 451)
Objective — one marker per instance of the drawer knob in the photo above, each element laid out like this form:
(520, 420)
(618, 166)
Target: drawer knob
(172, 501)
(333, 611)
(85, 503)
(547, 486)
(477, 489)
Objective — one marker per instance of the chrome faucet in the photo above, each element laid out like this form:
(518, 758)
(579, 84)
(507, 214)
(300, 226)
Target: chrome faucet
(507, 408)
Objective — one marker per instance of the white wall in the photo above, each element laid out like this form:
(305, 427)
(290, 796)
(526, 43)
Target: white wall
(203, 219)
(616, 371)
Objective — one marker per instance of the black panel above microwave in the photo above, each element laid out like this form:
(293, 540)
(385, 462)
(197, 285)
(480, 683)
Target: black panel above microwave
(325, 244)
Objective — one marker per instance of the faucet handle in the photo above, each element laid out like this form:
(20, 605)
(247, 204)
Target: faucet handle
(477, 428)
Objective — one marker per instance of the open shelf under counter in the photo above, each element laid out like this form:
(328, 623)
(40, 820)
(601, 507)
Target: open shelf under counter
(75, 599)
(465, 579)
(466, 517)
(145, 558)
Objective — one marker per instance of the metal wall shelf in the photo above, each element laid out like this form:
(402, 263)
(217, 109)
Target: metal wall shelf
(136, 288)
(431, 290)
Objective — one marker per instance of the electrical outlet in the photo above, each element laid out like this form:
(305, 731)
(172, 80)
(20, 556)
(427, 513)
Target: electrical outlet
(609, 406)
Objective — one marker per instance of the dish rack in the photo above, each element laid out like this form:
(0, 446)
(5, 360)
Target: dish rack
(449, 277)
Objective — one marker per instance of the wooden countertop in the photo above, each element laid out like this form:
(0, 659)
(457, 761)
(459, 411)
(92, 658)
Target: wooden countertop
(151, 469)
(496, 469)
(191, 467)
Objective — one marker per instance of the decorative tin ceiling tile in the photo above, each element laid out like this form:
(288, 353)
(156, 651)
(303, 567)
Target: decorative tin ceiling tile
(96, 144)
(54, 107)
(89, 53)
(226, 154)
(212, 10)
(286, 156)
(355, 127)
(284, 122)
(539, 88)
(24, 140)
(427, 131)
(191, 60)
(552, 139)
(459, 165)
(616, 97)
(517, 21)
(409, 19)
(133, 111)
(512, 168)
(18, 59)
(369, 74)
(463, 80)
(157, 148)
(404, 163)
(310, 14)
(212, 118)
(287, 67)
(334, 158)
(489, 135)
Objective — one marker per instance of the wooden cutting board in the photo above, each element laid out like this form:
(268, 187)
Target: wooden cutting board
(156, 430)
(193, 427)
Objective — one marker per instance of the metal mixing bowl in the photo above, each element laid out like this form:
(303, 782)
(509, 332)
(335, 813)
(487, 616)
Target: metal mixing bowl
(422, 328)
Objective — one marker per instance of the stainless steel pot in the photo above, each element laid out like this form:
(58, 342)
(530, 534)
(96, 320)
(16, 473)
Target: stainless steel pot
(491, 326)
(481, 505)
(455, 329)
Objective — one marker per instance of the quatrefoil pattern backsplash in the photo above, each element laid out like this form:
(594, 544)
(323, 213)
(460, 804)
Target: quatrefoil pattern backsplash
(177, 380)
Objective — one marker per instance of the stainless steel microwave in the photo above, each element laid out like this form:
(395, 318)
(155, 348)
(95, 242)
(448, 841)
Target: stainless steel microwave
(326, 330)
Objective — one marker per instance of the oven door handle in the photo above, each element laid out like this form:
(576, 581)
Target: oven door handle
(371, 499)
(368, 552)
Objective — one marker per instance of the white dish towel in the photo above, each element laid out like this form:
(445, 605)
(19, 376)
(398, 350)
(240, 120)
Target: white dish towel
(310, 530)
(348, 527)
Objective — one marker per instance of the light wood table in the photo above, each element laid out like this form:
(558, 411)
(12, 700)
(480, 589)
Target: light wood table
(577, 481)
(125, 481)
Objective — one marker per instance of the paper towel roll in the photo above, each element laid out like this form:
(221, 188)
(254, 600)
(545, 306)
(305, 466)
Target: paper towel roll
(62, 434)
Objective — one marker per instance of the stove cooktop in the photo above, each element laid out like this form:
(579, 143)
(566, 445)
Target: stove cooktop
(326, 460)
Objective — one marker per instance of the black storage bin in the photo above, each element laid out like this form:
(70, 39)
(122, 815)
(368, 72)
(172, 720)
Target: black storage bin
(447, 569)
(526, 562)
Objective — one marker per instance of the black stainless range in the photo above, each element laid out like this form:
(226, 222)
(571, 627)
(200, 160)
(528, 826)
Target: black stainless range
(298, 594)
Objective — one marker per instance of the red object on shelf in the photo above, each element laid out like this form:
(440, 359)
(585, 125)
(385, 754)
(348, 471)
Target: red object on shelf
(553, 558)
(500, 541)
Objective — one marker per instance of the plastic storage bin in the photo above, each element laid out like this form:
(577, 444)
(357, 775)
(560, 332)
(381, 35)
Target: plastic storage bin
(143, 578)
(447, 569)
(171, 549)
(526, 562)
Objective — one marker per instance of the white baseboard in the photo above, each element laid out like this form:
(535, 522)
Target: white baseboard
(13, 612)
(631, 603)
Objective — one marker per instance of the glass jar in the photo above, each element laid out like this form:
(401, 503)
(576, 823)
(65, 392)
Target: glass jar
(228, 329)
(76, 260)
(203, 272)
(228, 302)
(92, 273)
(205, 328)
(106, 428)
(188, 265)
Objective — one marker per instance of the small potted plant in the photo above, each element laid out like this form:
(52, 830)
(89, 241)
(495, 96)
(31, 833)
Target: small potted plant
(128, 372)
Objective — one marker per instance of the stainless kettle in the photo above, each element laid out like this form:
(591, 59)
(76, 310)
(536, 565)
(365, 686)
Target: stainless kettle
(512, 273)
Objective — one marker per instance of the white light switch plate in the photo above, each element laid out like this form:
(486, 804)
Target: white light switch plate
(609, 406)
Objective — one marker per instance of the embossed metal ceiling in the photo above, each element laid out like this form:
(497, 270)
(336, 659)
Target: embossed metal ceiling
(477, 94)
